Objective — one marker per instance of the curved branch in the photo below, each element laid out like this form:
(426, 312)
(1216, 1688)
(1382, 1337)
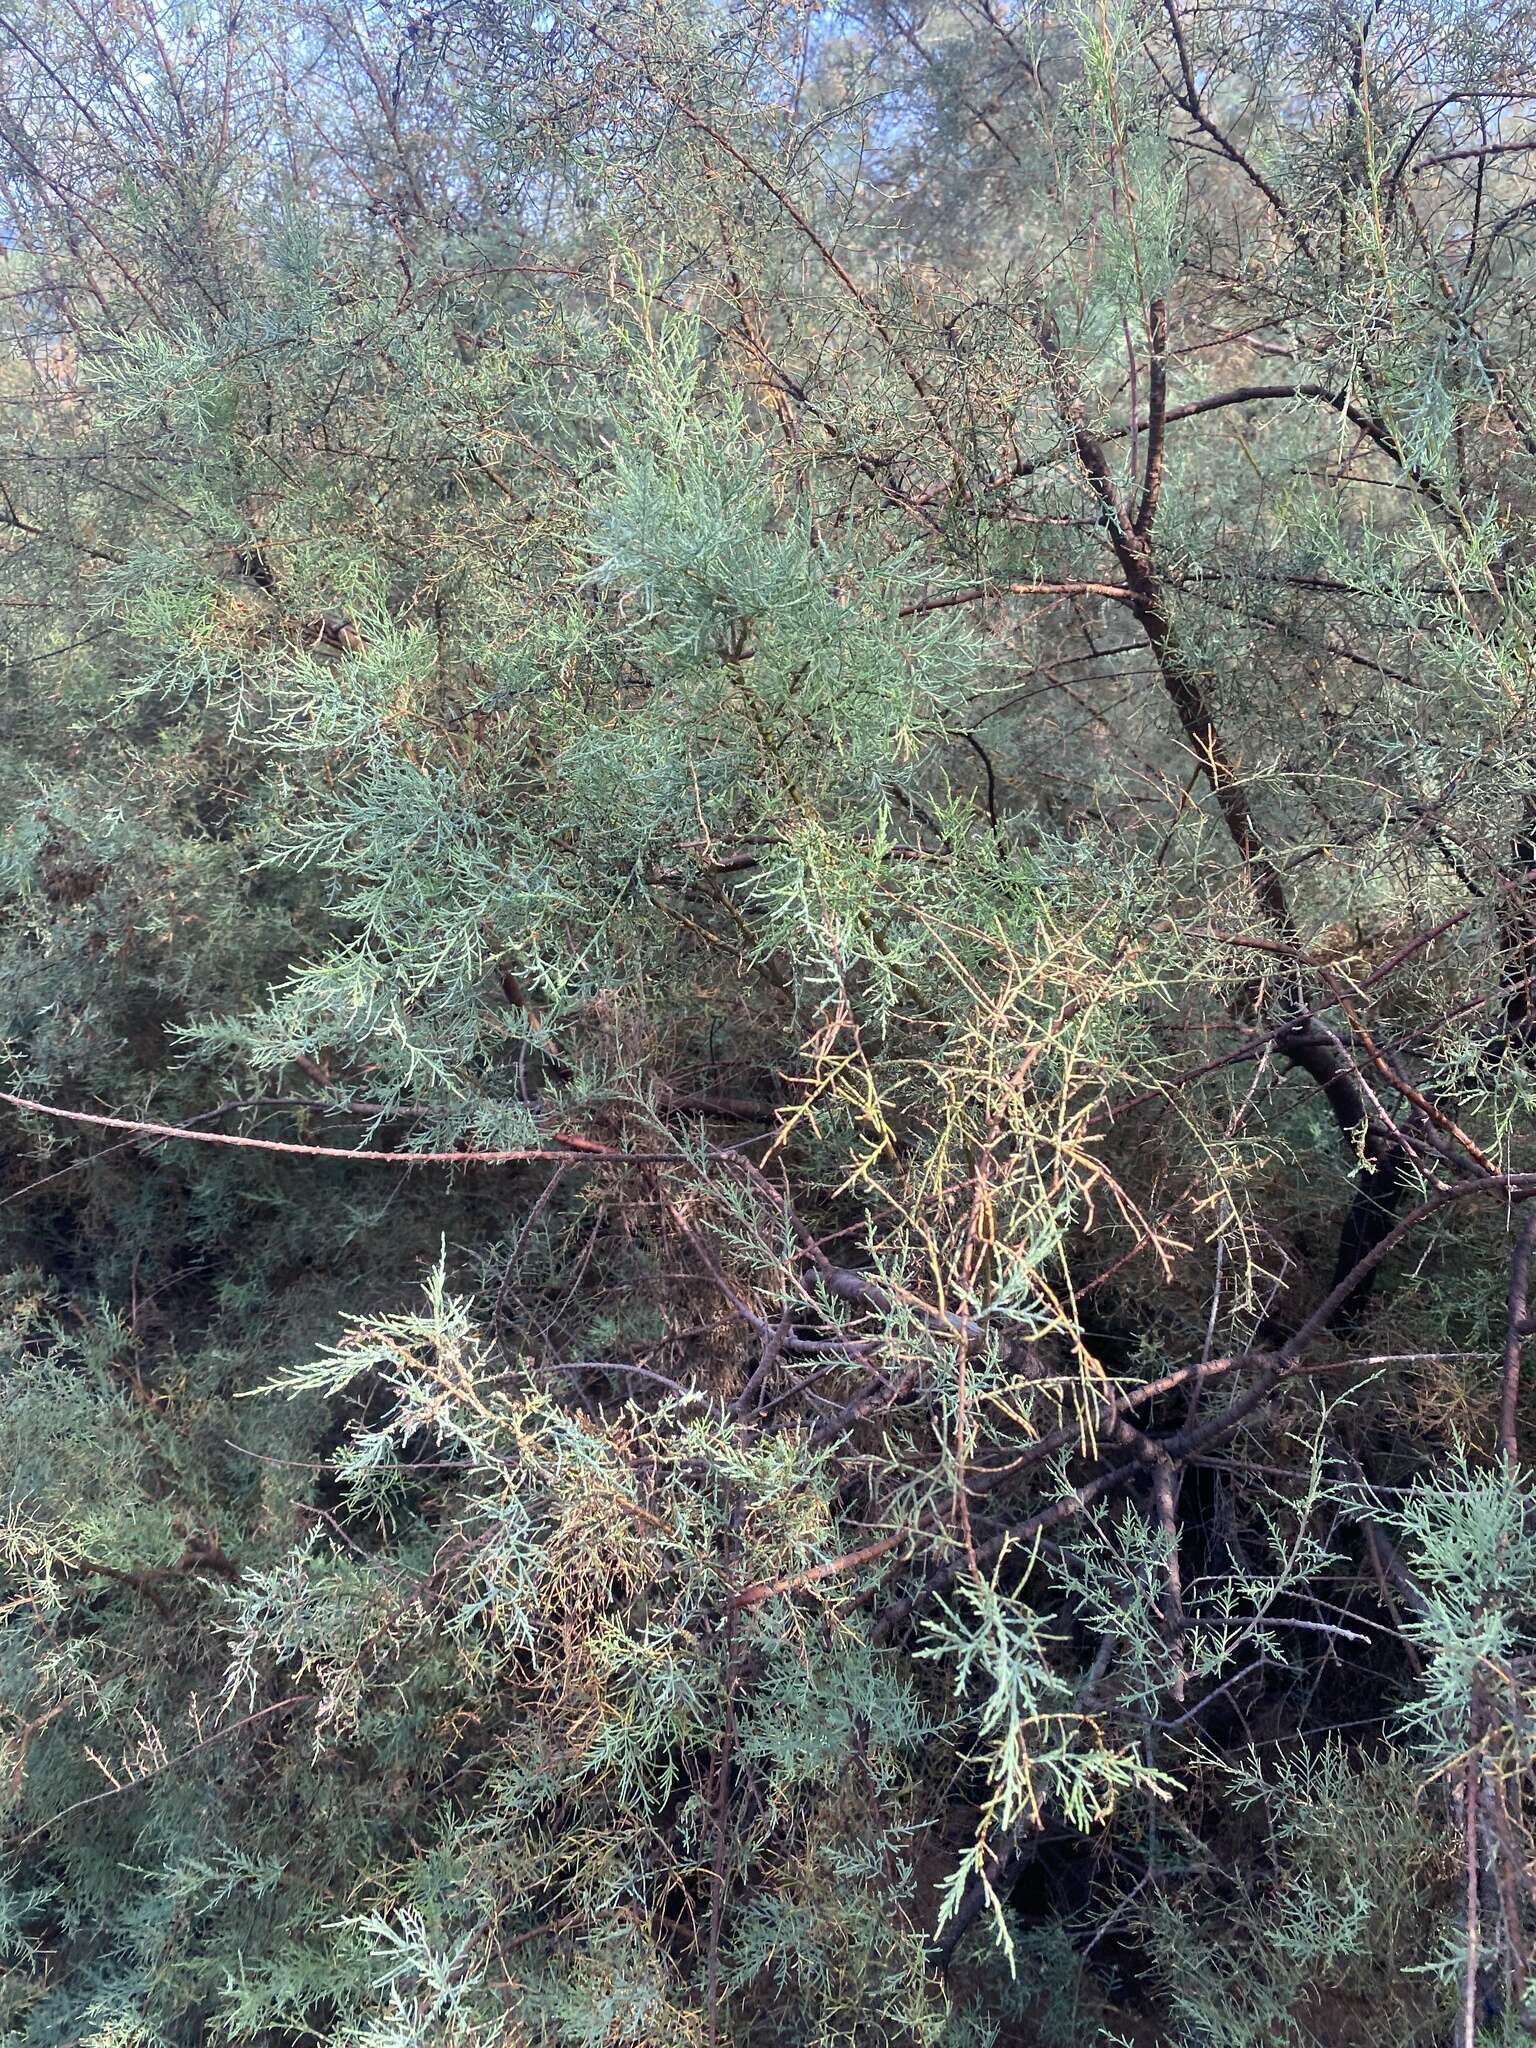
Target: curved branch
(563, 1146)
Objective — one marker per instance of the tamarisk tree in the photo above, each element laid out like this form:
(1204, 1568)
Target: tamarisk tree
(769, 884)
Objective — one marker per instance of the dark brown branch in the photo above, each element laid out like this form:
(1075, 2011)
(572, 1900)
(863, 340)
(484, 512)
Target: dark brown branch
(1182, 678)
(1189, 99)
(1479, 150)
(1337, 401)
(975, 593)
(1277, 1368)
(1157, 418)
(1516, 1329)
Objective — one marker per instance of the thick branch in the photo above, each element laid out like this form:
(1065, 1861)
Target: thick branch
(1516, 1329)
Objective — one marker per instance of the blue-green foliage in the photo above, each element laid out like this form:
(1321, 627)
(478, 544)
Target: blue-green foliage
(617, 589)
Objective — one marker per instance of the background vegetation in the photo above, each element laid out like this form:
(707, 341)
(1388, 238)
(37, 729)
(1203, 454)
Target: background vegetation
(767, 898)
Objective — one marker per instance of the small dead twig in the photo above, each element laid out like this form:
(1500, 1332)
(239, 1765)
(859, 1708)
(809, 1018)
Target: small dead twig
(298, 1699)
(793, 1582)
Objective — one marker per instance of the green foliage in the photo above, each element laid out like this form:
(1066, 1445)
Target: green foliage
(849, 689)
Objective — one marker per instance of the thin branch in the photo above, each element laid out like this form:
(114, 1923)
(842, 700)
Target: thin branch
(1157, 418)
(299, 1699)
(1466, 2035)
(795, 1582)
(975, 593)
(564, 1145)
(1479, 150)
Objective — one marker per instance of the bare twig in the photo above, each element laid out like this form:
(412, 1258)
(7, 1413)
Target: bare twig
(562, 1146)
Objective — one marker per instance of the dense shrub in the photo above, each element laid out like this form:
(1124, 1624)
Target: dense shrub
(767, 885)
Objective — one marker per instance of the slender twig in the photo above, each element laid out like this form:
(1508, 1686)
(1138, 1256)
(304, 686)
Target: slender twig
(563, 1145)
(721, 1803)
(976, 592)
(298, 1699)
(795, 1582)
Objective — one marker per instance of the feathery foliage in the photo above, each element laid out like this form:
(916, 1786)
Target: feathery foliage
(767, 895)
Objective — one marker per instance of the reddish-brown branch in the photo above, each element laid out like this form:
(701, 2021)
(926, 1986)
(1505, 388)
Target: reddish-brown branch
(835, 1567)
(1185, 684)
(563, 1145)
